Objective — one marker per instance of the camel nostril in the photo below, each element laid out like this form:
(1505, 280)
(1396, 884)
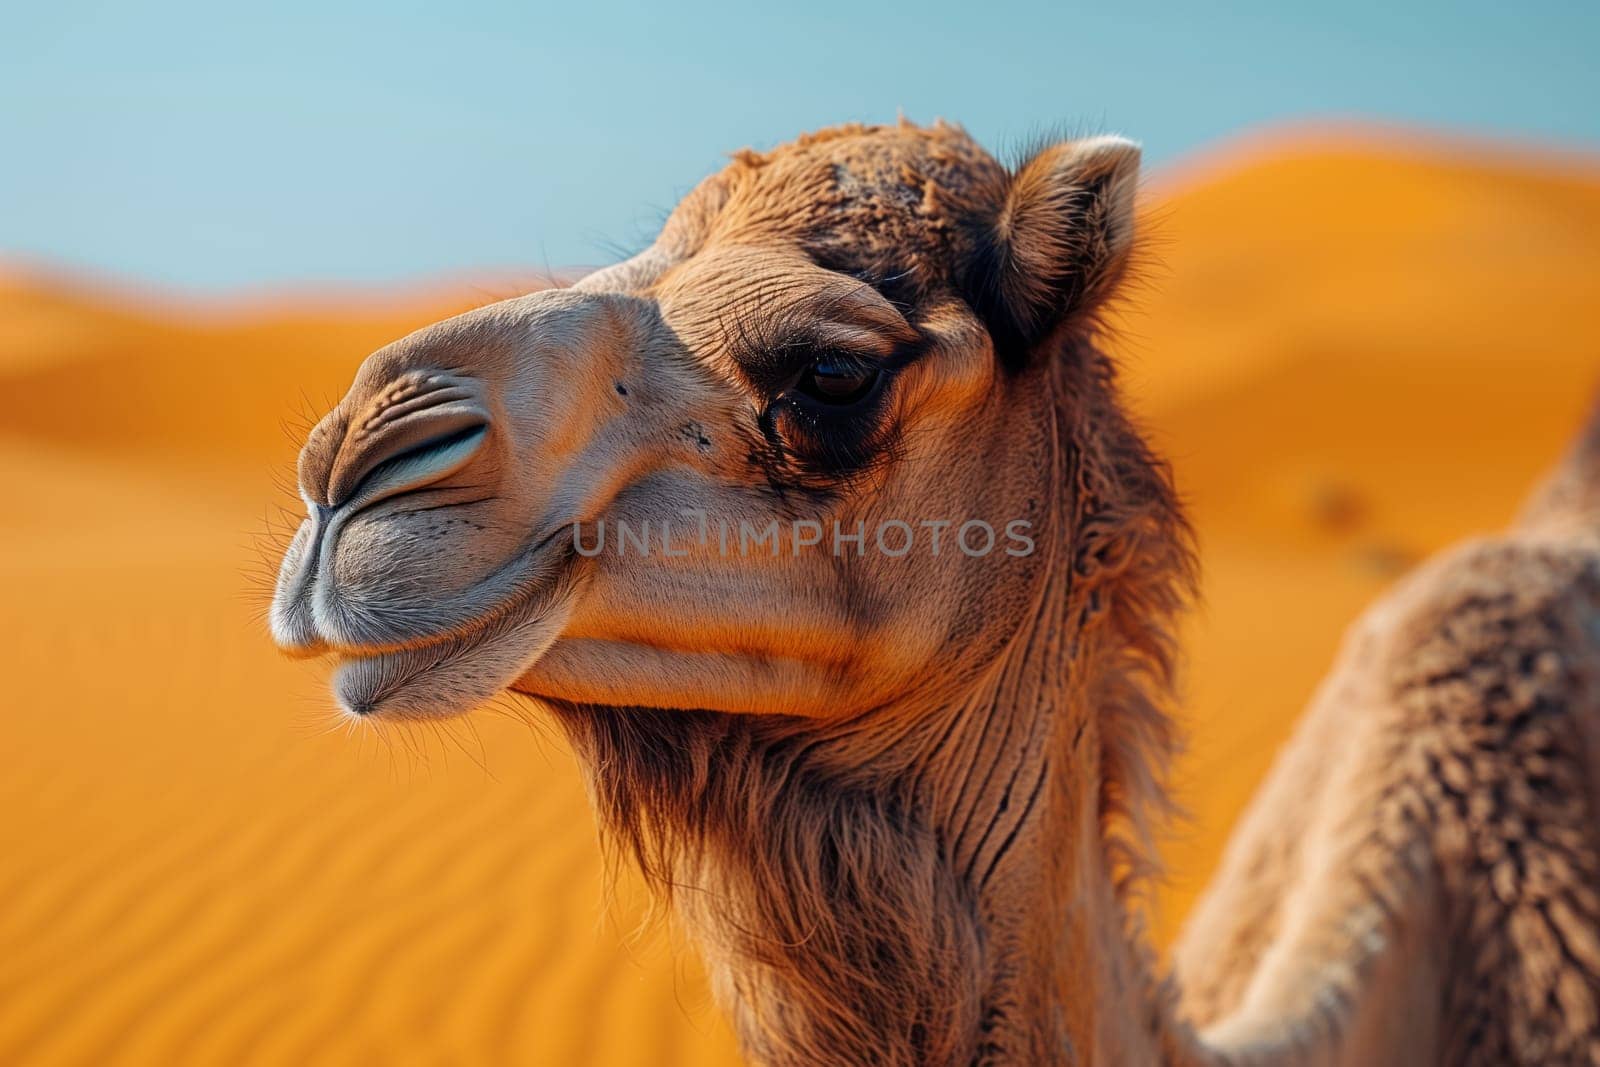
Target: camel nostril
(413, 452)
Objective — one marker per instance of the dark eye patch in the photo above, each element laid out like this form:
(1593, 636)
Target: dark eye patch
(773, 346)
(773, 359)
(832, 436)
(821, 374)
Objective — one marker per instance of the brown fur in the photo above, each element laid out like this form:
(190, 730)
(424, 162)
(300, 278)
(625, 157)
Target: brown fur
(907, 805)
(1432, 826)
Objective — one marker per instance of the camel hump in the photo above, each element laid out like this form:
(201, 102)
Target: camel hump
(1493, 663)
(1568, 500)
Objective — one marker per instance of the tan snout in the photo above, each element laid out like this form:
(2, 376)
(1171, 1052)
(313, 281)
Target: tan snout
(385, 467)
(435, 504)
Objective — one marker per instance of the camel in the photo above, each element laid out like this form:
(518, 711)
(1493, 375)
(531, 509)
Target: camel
(898, 775)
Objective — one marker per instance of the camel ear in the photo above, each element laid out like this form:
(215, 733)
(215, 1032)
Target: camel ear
(1059, 243)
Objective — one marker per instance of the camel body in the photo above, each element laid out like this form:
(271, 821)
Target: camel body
(906, 804)
(1416, 881)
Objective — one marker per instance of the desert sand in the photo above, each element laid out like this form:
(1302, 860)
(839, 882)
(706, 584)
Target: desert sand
(1356, 349)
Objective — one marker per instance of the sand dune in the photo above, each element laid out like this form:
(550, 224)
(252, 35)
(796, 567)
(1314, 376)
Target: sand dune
(1356, 352)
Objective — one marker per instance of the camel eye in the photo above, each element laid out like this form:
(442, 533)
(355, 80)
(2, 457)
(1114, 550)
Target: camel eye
(838, 379)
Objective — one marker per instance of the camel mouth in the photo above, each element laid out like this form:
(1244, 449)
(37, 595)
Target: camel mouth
(435, 673)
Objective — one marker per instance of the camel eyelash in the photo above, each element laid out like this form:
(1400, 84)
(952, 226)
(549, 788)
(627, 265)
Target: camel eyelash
(774, 348)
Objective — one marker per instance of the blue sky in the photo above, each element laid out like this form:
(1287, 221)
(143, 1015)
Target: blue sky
(218, 146)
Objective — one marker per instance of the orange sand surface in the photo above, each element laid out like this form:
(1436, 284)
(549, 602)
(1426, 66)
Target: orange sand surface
(1355, 351)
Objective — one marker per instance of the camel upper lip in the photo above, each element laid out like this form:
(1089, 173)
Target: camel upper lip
(517, 588)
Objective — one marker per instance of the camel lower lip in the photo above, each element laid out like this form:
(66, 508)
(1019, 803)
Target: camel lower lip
(363, 683)
(453, 676)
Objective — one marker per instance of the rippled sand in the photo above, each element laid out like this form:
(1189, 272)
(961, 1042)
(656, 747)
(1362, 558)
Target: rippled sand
(1355, 352)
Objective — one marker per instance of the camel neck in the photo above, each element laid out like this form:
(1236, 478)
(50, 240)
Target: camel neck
(973, 921)
(964, 909)
(1065, 978)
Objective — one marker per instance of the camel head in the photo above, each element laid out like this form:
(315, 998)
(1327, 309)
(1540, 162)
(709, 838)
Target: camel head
(805, 454)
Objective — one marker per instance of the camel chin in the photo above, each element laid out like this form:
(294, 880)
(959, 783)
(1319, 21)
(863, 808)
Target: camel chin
(448, 678)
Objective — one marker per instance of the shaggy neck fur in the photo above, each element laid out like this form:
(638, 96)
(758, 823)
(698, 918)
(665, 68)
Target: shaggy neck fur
(948, 883)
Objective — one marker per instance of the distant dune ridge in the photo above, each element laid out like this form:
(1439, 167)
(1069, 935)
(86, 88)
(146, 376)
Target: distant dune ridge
(1356, 350)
